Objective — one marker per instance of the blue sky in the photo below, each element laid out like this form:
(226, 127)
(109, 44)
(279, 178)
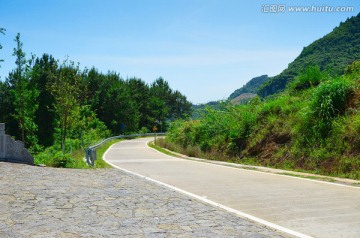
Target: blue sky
(204, 48)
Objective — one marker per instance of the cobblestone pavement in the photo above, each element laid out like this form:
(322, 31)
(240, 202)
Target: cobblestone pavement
(50, 202)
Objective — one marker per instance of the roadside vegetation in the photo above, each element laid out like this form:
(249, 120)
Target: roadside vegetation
(159, 147)
(313, 126)
(75, 160)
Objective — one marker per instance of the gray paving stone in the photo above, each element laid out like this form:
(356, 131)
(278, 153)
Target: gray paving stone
(50, 202)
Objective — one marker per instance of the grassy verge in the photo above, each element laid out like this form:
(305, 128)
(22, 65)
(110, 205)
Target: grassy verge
(99, 162)
(162, 150)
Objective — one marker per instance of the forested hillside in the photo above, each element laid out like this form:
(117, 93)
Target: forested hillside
(55, 106)
(332, 53)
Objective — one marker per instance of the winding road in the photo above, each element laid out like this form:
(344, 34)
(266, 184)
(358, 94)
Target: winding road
(299, 207)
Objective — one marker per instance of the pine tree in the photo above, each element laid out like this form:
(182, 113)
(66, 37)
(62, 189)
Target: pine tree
(25, 98)
(2, 31)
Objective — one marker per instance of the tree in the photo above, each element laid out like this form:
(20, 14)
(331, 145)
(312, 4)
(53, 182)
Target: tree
(17, 80)
(45, 69)
(5, 101)
(2, 86)
(44, 72)
(65, 90)
(2, 31)
(139, 92)
(25, 98)
(159, 102)
(179, 106)
(166, 104)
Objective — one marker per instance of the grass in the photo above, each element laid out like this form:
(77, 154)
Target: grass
(162, 150)
(99, 162)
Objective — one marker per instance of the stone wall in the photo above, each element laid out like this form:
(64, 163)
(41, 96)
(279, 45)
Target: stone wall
(13, 151)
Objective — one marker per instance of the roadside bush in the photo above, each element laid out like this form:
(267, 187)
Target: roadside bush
(329, 100)
(52, 157)
(62, 161)
(353, 69)
(345, 135)
(349, 167)
(143, 130)
(45, 156)
(311, 77)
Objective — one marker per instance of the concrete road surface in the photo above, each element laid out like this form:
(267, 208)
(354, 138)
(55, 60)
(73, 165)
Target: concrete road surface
(301, 207)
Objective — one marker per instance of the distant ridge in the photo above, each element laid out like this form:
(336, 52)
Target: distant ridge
(242, 98)
(250, 87)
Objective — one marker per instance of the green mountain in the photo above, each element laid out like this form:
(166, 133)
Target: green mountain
(332, 53)
(250, 87)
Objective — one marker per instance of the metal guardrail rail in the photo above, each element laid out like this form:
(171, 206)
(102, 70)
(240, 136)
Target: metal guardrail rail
(91, 151)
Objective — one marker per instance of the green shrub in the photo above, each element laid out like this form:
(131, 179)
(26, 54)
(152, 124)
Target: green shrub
(312, 76)
(353, 69)
(62, 161)
(53, 157)
(143, 130)
(329, 100)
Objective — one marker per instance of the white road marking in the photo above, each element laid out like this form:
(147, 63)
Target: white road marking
(129, 148)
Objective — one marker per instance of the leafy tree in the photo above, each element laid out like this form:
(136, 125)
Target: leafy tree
(140, 94)
(353, 69)
(65, 90)
(4, 101)
(2, 86)
(25, 98)
(2, 31)
(87, 127)
(179, 106)
(160, 94)
(166, 105)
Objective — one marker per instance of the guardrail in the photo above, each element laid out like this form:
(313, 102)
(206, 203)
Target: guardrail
(91, 151)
